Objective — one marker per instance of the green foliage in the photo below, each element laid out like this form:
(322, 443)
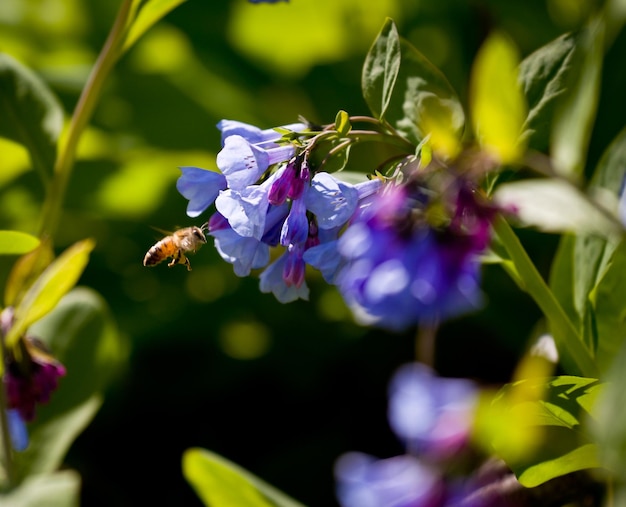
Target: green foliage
(15, 242)
(145, 14)
(543, 76)
(60, 489)
(403, 88)
(540, 203)
(497, 104)
(575, 115)
(221, 483)
(559, 409)
(30, 114)
(48, 289)
(83, 336)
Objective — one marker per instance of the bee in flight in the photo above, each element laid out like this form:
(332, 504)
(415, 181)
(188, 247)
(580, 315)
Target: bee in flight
(176, 245)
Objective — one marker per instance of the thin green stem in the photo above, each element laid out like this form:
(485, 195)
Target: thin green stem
(425, 342)
(574, 354)
(82, 114)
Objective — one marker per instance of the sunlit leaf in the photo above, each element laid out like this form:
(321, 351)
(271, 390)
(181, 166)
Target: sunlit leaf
(82, 335)
(543, 76)
(541, 203)
(16, 242)
(219, 482)
(609, 429)
(29, 113)
(60, 489)
(552, 410)
(148, 13)
(55, 281)
(423, 102)
(342, 123)
(25, 271)
(497, 103)
(573, 122)
(381, 68)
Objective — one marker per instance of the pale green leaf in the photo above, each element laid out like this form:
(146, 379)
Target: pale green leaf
(17, 243)
(30, 114)
(148, 13)
(543, 76)
(220, 483)
(555, 411)
(25, 271)
(55, 281)
(497, 104)
(555, 206)
(60, 489)
(342, 123)
(573, 123)
(381, 68)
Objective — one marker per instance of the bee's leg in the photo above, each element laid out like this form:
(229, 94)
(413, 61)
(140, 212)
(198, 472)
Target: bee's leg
(187, 263)
(177, 259)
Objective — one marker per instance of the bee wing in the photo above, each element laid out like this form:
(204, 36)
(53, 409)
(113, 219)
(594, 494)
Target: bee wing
(164, 232)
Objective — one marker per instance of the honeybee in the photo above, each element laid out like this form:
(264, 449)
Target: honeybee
(176, 245)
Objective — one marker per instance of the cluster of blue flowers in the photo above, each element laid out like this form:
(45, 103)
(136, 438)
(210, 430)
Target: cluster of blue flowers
(394, 259)
(432, 416)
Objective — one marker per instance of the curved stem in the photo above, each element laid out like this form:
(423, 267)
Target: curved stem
(82, 114)
(574, 354)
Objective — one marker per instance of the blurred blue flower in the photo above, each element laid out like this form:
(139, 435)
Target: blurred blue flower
(400, 269)
(401, 481)
(431, 414)
(200, 187)
(17, 430)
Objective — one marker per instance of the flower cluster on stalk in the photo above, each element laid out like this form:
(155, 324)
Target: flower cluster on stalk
(401, 247)
(31, 375)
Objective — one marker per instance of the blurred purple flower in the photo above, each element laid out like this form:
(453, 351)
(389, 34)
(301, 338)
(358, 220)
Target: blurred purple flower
(431, 414)
(200, 187)
(401, 481)
(399, 269)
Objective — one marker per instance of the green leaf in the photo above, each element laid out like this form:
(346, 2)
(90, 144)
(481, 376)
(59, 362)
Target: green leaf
(55, 281)
(220, 483)
(381, 68)
(543, 76)
(584, 261)
(497, 103)
(609, 428)
(146, 14)
(573, 122)
(541, 203)
(414, 98)
(342, 123)
(30, 114)
(82, 335)
(60, 489)
(25, 271)
(558, 408)
(15, 242)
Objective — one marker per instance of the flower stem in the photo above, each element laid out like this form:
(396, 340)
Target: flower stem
(574, 354)
(82, 114)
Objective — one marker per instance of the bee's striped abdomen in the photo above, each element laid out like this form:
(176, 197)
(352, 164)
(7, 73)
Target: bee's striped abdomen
(159, 252)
